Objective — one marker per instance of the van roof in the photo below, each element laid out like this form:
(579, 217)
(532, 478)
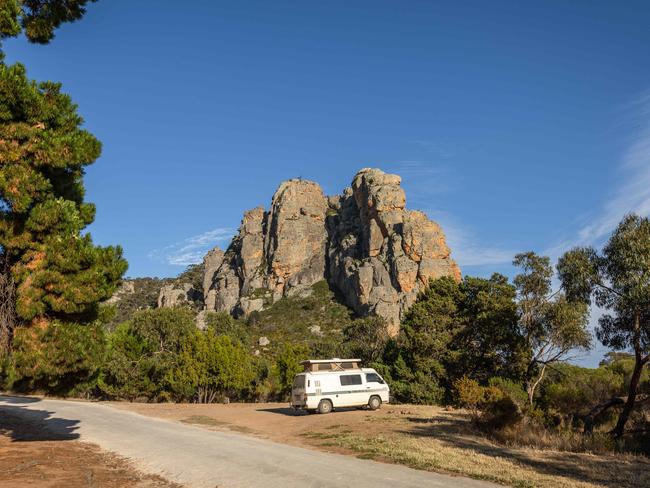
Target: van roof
(333, 360)
(340, 371)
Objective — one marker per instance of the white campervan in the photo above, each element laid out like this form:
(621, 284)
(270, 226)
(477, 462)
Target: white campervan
(326, 384)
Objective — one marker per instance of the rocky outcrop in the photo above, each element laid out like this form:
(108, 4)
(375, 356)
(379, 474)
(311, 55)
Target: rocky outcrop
(127, 287)
(277, 253)
(365, 243)
(176, 294)
(381, 254)
(211, 263)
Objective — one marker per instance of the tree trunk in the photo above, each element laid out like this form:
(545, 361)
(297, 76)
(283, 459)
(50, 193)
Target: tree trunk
(531, 385)
(639, 362)
(598, 410)
(631, 397)
(7, 305)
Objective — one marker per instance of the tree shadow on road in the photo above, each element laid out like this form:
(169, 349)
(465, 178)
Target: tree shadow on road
(22, 424)
(14, 400)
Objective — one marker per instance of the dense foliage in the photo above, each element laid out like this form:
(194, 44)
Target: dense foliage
(58, 271)
(454, 330)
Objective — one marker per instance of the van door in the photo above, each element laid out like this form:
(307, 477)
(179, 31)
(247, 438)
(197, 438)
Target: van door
(375, 385)
(299, 390)
(352, 390)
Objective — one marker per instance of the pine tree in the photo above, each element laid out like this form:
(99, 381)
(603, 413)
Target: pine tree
(38, 18)
(53, 266)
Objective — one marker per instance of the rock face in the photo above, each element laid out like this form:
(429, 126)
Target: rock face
(380, 254)
(211, 263)
(126, 288)
(177, 294)
(365, 243)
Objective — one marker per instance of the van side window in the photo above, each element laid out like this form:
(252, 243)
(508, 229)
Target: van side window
(374, 378)
(350, 379)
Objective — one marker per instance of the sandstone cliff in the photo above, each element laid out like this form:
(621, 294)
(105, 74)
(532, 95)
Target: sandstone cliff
(365, 243)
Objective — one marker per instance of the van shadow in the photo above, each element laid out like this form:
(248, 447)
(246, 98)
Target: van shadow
(26, 425)
(287, 411)
(290, 412)
(460, 434)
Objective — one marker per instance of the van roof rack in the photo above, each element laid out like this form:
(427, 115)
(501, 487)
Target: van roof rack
(333, 360)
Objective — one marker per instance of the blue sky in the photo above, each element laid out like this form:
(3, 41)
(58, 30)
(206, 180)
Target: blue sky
(517, 126)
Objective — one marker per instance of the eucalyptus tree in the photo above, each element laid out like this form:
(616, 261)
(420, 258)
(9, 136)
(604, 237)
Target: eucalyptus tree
(617, 280)
(552, 325)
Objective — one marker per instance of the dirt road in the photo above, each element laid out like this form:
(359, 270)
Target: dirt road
(198, 457)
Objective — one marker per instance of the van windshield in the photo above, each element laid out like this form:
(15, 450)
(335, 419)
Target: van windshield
(374, 378)
(299, 381)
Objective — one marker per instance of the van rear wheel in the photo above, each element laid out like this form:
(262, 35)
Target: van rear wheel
(374, 403)
(325, 406)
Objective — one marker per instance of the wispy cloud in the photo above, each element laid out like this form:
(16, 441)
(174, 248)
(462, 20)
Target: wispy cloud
(467, 249)
(192, 249)
(631, 193)
(424, 179)
(433, 147)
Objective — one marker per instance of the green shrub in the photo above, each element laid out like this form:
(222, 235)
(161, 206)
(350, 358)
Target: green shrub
(224, 324)
(469, 393)
(366, 339)
(511, 388)
(209, 366)
(143, 351)
(501, 411)
(287, 366)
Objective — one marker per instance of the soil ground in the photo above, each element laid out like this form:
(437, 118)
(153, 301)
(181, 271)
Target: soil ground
(424, 437)
(30, 457)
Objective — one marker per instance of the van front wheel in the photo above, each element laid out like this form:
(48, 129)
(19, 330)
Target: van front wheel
(374, 403)
(325, 406)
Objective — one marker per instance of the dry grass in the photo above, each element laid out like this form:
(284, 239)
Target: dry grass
(447, 443)
(527, 434)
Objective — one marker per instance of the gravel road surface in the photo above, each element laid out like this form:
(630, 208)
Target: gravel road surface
(197, 457)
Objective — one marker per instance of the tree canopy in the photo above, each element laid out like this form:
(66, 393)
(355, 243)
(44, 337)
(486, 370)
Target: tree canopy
(38, 19)
(455, 330)
(617, 280)
(551, 324)
(43, 152)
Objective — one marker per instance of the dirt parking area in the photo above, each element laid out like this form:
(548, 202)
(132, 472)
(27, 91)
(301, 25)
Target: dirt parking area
(423, 437)
(30, 457)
